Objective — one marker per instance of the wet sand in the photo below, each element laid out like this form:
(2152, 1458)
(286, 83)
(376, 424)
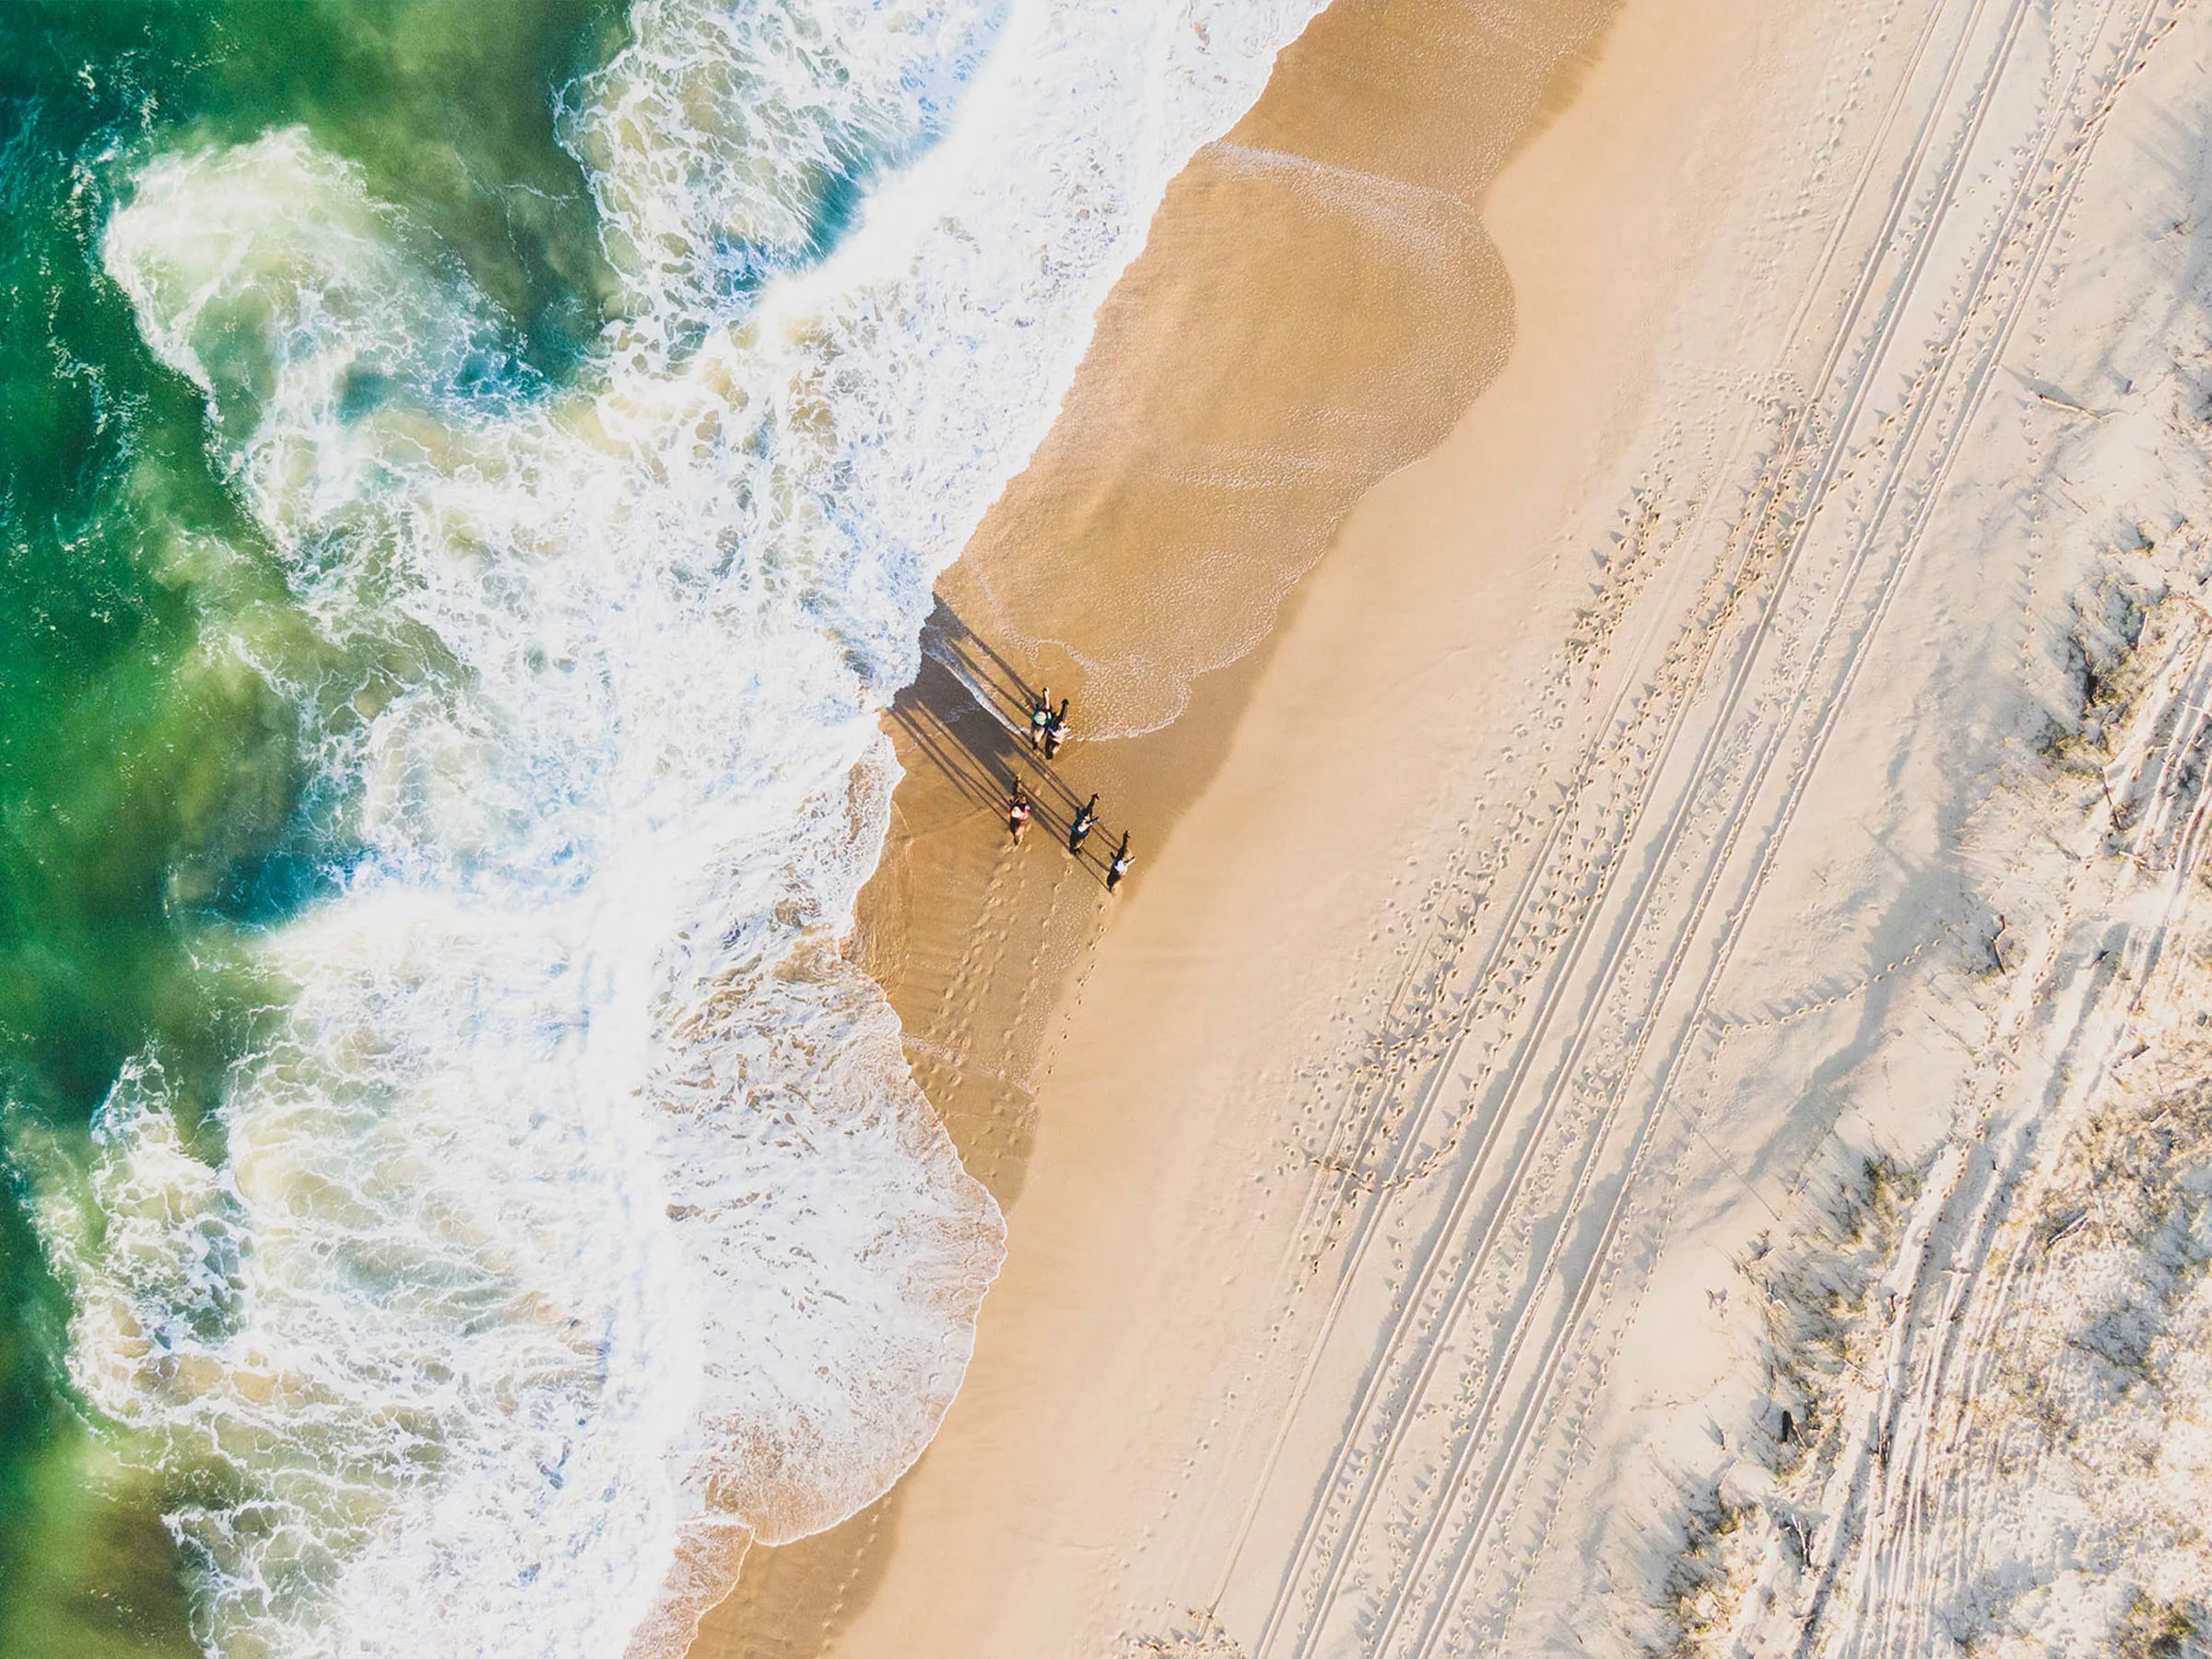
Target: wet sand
(1328, 294)
(1316, 306)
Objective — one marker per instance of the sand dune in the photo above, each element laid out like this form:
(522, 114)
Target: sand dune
(1635, 984)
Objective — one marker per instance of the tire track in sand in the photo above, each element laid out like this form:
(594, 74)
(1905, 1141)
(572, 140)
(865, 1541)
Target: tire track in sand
(1674, 678)
(1671, 840)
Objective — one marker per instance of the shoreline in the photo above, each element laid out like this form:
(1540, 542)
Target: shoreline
(1649, 859)
(1261, 246)
(1142, 562)
(939, 917)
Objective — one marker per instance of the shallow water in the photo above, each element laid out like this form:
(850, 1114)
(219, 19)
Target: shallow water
(148, 784)
(473, 475)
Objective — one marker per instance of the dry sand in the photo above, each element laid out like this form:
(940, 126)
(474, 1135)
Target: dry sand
(1525, 907)
(1320, 299)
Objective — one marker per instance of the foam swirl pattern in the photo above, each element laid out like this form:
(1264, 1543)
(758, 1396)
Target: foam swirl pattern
(575, 1219)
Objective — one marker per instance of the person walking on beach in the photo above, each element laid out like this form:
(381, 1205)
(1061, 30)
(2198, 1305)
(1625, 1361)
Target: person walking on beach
(1122, 859)
(1085, 820)
(1017, 811)
(1041, 716)
(1055, 730)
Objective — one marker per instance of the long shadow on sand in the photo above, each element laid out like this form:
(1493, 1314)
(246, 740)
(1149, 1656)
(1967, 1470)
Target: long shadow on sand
(967, 716)
(1317, 305)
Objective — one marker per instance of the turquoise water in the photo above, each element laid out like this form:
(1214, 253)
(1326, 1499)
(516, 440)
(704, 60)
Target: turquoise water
(474, 474)
(151, 793)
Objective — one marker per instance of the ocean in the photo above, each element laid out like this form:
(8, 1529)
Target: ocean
(473, 473)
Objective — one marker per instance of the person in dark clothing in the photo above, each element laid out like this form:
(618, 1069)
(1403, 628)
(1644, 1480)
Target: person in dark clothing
(1041, 716)
(1055, 730)
(1122, 859)
(1084, 820)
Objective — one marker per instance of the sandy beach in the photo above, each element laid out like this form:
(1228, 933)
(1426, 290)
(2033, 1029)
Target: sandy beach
(988, 956)
(1636, 576)
(1558, 556)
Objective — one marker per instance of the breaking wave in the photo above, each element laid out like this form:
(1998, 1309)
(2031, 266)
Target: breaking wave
(575, 1220)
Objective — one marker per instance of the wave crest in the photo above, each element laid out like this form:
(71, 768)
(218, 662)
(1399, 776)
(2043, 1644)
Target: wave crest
(576, 1219)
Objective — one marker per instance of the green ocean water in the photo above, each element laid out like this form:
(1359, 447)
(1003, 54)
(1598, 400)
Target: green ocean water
(151, 804)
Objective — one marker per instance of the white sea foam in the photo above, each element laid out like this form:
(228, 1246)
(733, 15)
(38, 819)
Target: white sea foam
(577, 1218)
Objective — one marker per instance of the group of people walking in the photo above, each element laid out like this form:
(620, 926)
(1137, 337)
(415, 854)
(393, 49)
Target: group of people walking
(1048, 726)
(1048, 730)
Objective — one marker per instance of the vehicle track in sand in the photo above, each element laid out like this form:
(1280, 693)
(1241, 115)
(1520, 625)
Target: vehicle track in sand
(1607, 964)
(1512, 952)
(1919, 1481)
(1727, 590)
(1507, 1461)
(2036, 208)
(2054, 198)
